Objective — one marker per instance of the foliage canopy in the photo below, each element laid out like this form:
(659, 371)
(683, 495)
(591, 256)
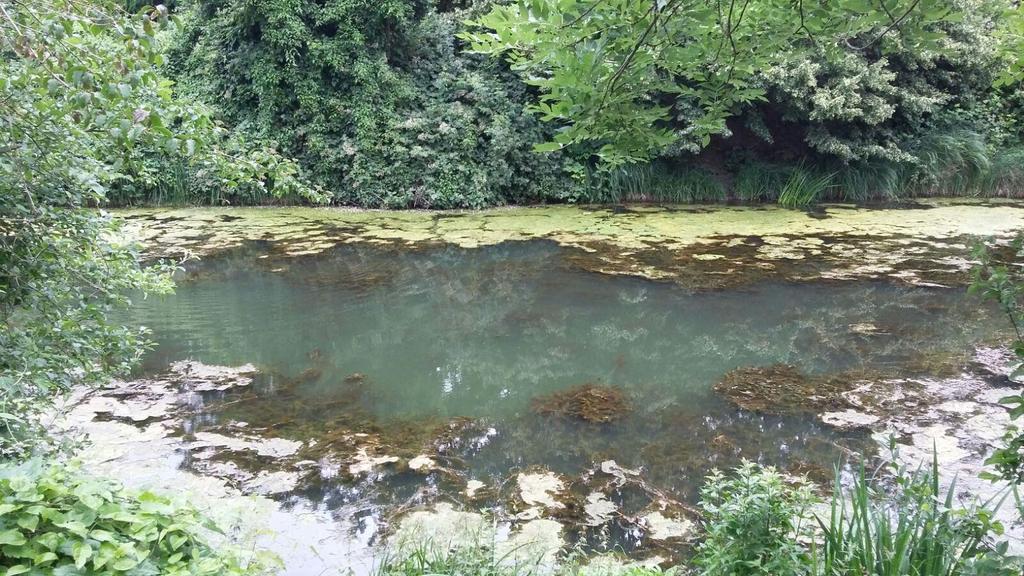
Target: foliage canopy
(375, 98)
(635, 77)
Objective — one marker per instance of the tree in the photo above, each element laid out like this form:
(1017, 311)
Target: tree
(375, 97)
(632, 78)
(82, 101)
(1013, 45)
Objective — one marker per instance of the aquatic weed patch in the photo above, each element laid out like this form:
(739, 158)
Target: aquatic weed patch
(588, 402)
(714, 247)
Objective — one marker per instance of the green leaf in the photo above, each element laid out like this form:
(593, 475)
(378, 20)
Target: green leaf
(81, 552)
(547, 147)
(177, 540)
(28, 522)
(46, 558)
(12, 537)
(125, 564)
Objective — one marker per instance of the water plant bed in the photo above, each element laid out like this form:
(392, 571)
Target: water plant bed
(711, 246)
(400, 382)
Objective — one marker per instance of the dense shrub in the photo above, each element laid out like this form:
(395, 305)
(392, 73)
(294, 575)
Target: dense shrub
(375, 97)
(869, 103)
(57, 520)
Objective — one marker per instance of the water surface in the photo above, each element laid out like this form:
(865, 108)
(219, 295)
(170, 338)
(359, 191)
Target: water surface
(410, 341)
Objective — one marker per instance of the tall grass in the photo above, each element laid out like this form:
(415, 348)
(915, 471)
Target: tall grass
(760, 182)
(920, 531)
(961, 163)
(873, 180)
(482, 560)
(1006, 174)
(654, 182)
(951, 163)
(178, 182)
(804, 187)
(957, 163)
(477, 560)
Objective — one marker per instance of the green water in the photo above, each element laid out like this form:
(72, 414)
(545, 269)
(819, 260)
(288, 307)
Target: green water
(434, 334)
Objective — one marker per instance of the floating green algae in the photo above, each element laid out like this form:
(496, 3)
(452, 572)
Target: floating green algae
(707, 247)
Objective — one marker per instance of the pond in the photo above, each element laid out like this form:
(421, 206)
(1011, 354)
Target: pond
(415, 373)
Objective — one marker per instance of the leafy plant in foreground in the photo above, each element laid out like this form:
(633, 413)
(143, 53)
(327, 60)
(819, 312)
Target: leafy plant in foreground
(999, 279)
(55, 520)
(755, 520)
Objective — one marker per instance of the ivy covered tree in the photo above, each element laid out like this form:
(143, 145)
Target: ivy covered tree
(377, 99)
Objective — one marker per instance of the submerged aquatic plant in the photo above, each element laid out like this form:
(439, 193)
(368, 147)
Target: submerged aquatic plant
(588, 402)
(782, 388)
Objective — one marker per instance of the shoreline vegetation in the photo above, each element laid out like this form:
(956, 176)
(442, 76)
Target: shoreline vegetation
(438, 104)
(797, 185)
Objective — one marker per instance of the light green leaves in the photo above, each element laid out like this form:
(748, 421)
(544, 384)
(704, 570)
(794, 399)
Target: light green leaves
(49, 524)
(11, 537)
(629, 78)
(81, 552)
(1012, 36)
(94, 116)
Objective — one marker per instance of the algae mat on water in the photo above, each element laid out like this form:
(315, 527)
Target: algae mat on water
(701, 246)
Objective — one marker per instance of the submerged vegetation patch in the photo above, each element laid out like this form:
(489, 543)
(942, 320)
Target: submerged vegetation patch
(588, 402)
(781, 388)
(847, 399)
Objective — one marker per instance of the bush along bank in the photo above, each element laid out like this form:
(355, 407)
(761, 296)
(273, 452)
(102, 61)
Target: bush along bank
(406, 105)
